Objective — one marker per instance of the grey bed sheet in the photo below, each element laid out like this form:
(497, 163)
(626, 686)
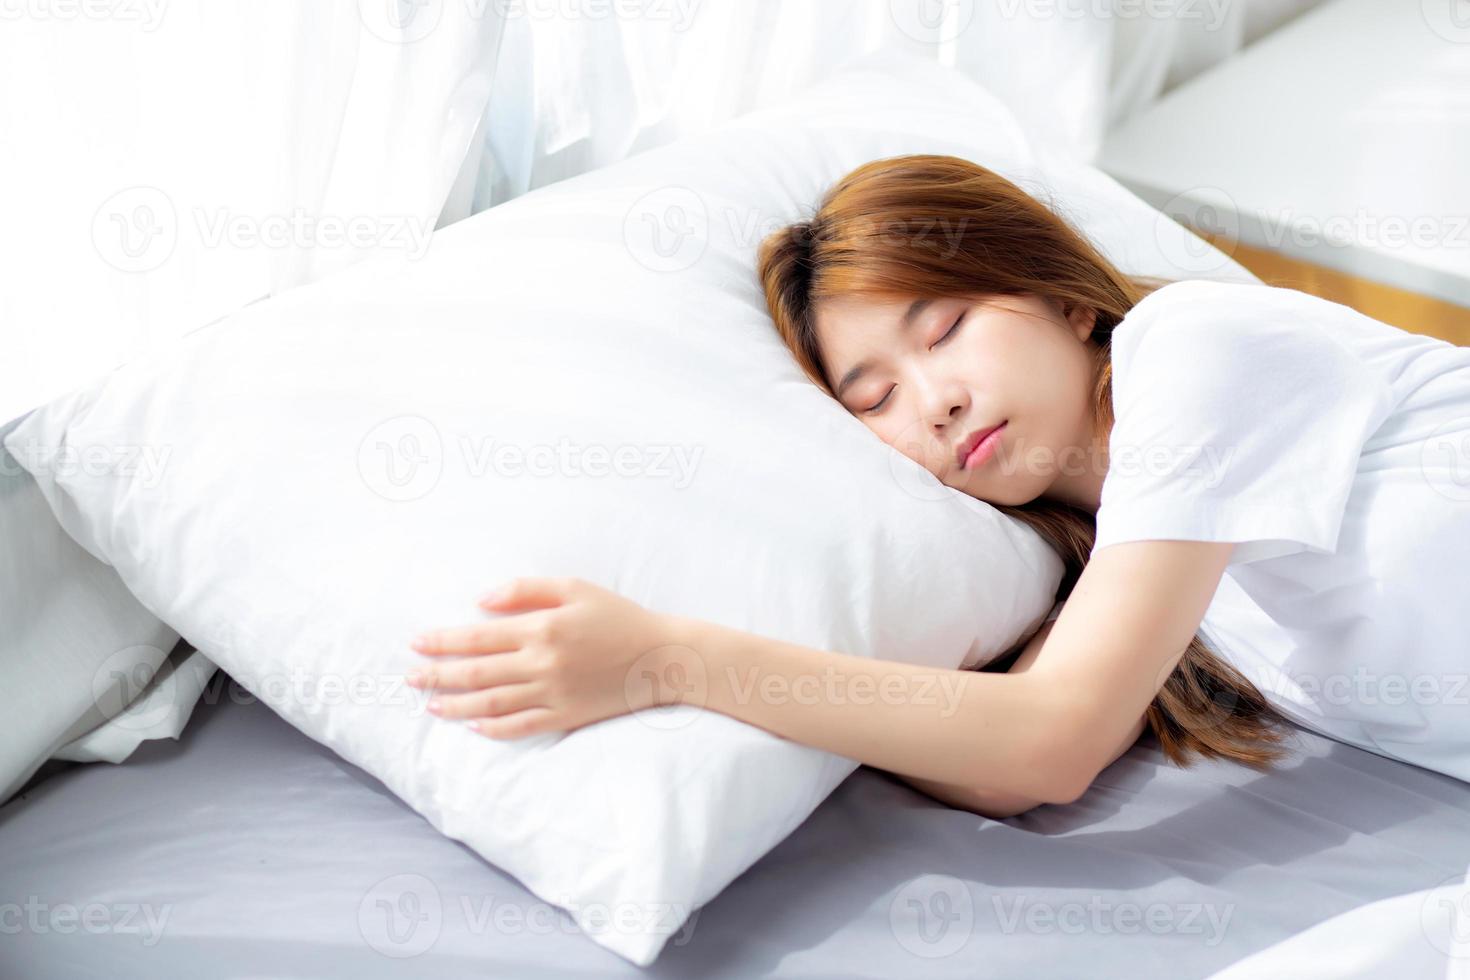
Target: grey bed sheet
(245, 849)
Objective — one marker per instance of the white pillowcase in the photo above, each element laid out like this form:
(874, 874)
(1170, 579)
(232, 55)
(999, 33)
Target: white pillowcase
(75, 648)
(333, 487)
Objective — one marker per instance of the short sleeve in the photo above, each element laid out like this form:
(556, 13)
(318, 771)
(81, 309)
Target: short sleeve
(1238, 416)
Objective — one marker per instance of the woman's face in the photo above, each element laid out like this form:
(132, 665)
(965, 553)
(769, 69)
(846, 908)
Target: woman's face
(927, 376)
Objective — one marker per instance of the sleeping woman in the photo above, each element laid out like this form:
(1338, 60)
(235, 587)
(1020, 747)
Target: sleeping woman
(1159, 436)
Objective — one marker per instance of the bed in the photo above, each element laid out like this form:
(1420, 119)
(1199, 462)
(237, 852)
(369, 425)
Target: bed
(245, 849)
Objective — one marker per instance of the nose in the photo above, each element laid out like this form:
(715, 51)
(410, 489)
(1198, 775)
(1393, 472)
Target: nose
(941, 404)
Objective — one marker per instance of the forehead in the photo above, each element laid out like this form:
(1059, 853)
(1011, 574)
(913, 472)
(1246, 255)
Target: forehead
(842, 314)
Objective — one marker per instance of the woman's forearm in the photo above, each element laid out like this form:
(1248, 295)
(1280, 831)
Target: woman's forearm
(986, 803)
(951, 726)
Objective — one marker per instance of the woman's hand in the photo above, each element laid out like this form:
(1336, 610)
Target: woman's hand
(568, 653)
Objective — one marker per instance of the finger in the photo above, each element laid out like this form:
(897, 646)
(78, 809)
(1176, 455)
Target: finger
(496, 636)
(533, 721)
(488, 703)
(528, 593)
(472, 673)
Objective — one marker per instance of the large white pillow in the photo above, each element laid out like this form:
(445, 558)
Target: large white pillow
(332, 488)
(76, 649)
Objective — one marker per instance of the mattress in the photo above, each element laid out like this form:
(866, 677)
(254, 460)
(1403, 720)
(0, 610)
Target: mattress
(245, 849)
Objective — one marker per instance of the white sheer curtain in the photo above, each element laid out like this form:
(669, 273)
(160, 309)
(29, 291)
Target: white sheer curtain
(163, 164)
(573, 93)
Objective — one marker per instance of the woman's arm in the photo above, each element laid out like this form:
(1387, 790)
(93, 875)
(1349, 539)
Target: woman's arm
(910, 720)
(988, 803)
(1040, 734)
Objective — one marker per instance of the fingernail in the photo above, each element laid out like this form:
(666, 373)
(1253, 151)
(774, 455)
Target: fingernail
(419, 643)
(490, 598)
(416, 678)
(435, 706)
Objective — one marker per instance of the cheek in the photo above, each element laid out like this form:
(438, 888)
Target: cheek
(892, 430)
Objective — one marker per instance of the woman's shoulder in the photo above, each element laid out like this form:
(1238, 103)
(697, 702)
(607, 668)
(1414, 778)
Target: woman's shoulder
(1213, 319)
(1214, 300)
(1202, 317)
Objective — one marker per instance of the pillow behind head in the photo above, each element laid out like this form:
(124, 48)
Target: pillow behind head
(582, 381)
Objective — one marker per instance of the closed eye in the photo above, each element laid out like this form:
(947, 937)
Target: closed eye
(947, 334)
(950, 332)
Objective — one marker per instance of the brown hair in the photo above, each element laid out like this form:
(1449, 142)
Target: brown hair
(941, 226)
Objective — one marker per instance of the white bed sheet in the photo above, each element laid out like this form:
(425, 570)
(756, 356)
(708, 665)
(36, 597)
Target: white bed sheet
(257, 852)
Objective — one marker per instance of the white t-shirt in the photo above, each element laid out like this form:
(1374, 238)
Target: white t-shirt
(1334, 449)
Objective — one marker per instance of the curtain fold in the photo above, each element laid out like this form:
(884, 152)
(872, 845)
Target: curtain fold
(163, 165)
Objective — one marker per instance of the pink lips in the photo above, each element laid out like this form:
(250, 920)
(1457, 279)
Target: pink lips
(982, 446)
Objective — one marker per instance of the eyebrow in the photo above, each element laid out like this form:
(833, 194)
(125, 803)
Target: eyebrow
(905, 322)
